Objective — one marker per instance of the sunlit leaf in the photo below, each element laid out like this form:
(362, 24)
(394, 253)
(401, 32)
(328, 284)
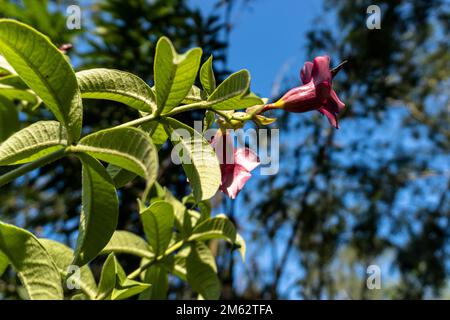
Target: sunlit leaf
(207, 77)
(214, 228)
(9, 118)
(45, 70)
(128, 148)
(234, 93)
(128, 243)
(174, 74)
(35, 268)
(62, 257)
(202, 272)
(158, 277)
(158, 222)
(100, 211)
(199, 159)
(33, 142)
(119, 86)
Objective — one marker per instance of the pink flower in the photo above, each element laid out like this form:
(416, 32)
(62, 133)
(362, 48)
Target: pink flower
(235, 163)
(316, 93)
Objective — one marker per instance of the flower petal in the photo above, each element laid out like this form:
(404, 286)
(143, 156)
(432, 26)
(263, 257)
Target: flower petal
(234, 185)
(305, 98)
(339, 104)
(246, 158)
(321, 70)
(305, 73)
(331, 116)
(223, 145)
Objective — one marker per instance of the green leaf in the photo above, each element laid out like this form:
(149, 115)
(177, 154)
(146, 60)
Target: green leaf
(233, 93)
(100, 211)
(122, 177)
(158, 222)
(62, 257)
(5, 66)
(199, 159)
(9, 119)
(45, 70)
(34, 266)
(174, 74)
(4, 263)
(182, 220)
(13, 81)
(194, 95)
(242, 247)
(33, 142)
(128, 148)
(208, 120)
(202, 272)
(13, 93)
(176, 264)
(116, 85)
(219, 227)
(128, 288)
(114, 283)
(128, 243)
(157, 132)
(107, 277)
(158, 277)
(207, 76)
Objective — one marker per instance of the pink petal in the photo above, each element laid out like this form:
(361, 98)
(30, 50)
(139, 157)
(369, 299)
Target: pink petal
(223, 145)
(306, 97)
(246, 158)
(333, 96)
(332, 118)
(305, 73)
(321, 70)
(234, 185)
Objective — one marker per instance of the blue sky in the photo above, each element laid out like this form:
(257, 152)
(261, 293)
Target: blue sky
(268, 38)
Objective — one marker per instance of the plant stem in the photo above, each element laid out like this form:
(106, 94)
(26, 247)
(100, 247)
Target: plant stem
(187, 107)
(148, 264)
(16, 173)
(137, 122)
(152, 117)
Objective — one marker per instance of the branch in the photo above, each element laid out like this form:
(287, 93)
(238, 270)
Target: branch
(16, 173)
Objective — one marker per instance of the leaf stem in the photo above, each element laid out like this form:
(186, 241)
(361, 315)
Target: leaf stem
(187, 107)
(20, 171)
(152, 117)
(148, 264)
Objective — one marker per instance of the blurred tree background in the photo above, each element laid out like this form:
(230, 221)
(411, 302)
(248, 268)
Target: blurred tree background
(377, 190)
(374, 192)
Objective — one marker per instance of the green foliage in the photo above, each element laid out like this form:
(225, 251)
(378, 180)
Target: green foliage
(158, 223)
(114, 284)
(4, 263)
(234, 93)
(117, 86)
(174, 74)
(128, 243)
(158, 276)
(45, 70)
(207, 77)
(128, 148)
(201, 271)
(176, 231)
(62, 256)
(216, 228)
(198, 158)
(9, 118)
(34, 266)
(100, 211)
(33, 142)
